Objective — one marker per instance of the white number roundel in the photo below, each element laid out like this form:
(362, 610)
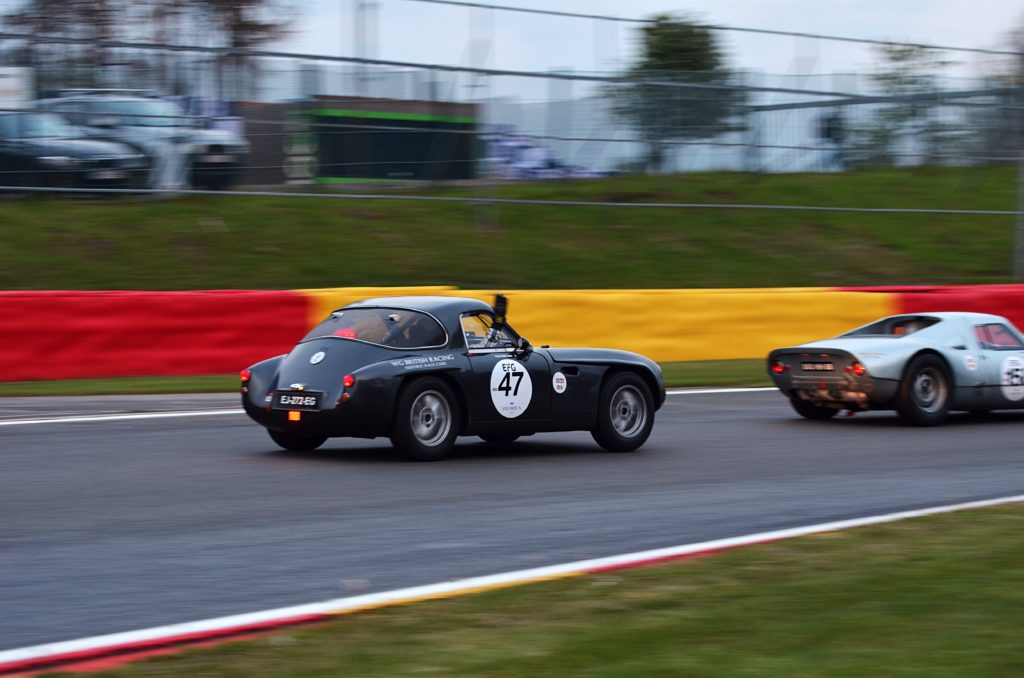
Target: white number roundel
(1012, 378)
(511, 388)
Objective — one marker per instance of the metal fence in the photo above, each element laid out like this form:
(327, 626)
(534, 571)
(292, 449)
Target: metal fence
(525, 125)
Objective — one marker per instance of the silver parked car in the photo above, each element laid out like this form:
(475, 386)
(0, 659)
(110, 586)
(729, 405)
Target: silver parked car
(921, 365)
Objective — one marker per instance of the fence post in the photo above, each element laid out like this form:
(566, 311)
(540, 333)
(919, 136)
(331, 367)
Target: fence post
(1018, 116)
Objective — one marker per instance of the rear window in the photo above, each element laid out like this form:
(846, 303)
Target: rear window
(900, 326)
(391, 327)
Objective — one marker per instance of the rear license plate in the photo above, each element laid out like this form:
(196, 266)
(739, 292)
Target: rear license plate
(297, 400)
(817, 367)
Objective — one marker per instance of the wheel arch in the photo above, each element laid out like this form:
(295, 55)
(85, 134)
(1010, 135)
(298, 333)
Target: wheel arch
(644, 374)
(450, 381)
(932, 352)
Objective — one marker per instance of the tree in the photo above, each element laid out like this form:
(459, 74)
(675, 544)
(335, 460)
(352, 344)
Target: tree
(230, 24)
(909, 123)
(678, 89)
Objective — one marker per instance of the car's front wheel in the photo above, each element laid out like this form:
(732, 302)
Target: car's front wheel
(297, 442)
(923, 398)
(426, 420)
(625, 413)
(811, 411)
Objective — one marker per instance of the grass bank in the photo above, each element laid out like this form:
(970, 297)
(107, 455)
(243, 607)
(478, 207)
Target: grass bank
(281, 243)
(697, 373)
(937, 596)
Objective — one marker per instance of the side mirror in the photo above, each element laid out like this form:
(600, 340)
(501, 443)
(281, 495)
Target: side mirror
(500, 309)
(522, 345)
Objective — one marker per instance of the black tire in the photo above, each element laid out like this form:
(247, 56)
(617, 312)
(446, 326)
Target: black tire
(427, 420)
(923, 398)
(500, 438)
(297, 442)
(811, 411)
(625, 413)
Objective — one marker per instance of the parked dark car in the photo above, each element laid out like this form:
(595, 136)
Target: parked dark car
(41, 149)
(426, 370)
(180, 153)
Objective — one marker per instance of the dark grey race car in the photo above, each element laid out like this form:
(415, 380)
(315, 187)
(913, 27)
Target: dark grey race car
(426, 370)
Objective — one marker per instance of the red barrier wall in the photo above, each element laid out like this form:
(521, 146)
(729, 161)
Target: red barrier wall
(78, 335)
(1004, 300)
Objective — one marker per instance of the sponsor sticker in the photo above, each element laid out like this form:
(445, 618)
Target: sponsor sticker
(1011, 378)
(970, 362)
(421, 362)
(317, 358)
(558, 382)
(511, 388)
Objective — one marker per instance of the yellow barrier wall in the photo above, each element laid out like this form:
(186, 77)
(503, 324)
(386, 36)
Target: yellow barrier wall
(665, 325)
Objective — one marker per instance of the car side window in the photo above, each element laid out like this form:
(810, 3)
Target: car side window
(997, 337)
(72, 111)
(480, 332)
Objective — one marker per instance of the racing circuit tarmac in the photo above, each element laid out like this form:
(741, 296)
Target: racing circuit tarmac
(110, 526)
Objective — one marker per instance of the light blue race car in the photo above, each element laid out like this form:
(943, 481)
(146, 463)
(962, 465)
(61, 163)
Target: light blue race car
(922, 365)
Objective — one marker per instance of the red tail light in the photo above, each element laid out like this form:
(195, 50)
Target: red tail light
(349, 381)
(346, 333)
(858, 369)
(778, 367)
(245, 375)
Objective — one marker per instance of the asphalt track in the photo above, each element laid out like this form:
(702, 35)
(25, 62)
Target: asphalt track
(110, 526)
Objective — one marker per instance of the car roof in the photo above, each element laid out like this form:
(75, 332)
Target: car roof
(970, 316)
(435, 305)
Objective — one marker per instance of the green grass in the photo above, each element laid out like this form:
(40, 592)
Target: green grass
(938, 596)
(214, 242)
(698, 373)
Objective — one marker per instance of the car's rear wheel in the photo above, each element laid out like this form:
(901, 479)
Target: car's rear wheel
(499, 438)
(811, 411)
(426, 420)
(625, 413)
(297, 442)
(923, 398)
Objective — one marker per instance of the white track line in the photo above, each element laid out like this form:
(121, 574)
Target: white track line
(87, 418)
(704, 391)
(222, 625)
(77, 419)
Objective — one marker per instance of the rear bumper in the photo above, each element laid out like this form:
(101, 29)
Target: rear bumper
(351, 419)
(844, 392)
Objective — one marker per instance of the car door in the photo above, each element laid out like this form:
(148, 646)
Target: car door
(1001, 364)
(508, 385)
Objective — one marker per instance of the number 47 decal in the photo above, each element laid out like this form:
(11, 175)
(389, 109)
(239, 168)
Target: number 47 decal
(505, 386)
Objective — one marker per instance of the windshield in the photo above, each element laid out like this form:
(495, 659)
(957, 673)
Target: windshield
(140, 112)
(391, 327)
(41, 126)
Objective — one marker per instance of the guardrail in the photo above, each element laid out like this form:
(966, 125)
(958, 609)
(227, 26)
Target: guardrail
(79, 335)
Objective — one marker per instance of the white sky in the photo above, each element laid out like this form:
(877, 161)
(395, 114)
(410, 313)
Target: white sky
(427, 33)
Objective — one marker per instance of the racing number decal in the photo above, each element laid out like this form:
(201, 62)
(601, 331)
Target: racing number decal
(1011, 378)
(511, 388)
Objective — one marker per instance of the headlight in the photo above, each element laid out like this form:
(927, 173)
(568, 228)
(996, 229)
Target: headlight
(58, 161)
